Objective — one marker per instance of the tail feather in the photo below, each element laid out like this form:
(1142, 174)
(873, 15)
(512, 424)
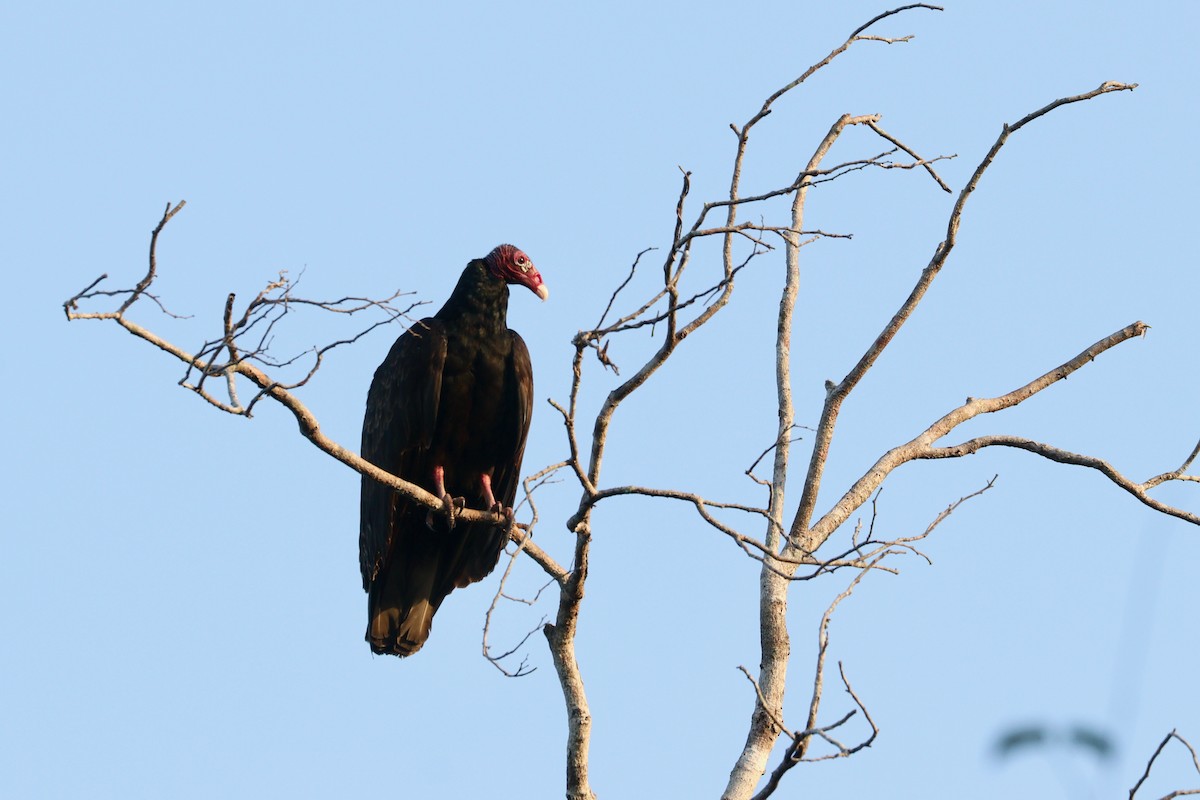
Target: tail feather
(426, 564)
(400, 613)
(400, 631)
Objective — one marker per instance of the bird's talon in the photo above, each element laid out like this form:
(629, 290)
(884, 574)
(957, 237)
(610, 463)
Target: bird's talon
(504, 511)
(451, 506)
(449, 511)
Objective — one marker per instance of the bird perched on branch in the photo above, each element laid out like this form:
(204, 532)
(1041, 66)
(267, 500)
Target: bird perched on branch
(448, 410)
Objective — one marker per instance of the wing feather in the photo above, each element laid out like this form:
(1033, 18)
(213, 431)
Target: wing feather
(476, 563)
(401, 416)
(517, 416)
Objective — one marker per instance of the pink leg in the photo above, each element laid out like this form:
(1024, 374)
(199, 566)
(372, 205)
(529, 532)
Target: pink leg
(489, 499)
(449, 506)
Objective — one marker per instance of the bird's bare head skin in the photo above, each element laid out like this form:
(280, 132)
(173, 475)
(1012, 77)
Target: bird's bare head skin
(511, 265)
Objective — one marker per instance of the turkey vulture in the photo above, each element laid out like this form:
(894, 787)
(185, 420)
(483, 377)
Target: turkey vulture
(448, 410)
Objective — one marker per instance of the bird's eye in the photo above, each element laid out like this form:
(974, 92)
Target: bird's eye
(523, 263)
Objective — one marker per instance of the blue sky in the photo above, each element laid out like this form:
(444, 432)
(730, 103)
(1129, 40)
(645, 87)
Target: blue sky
(181, 603)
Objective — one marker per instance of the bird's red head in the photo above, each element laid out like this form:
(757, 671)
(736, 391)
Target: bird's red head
(511, 265)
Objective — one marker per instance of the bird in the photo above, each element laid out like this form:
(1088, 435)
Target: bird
(449, 410)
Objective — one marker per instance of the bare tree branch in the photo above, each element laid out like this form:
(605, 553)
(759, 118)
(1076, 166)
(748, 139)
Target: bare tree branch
(523, 668)
(797, 751)
(837, 393)
(530, 484)
(1052, 453)
(893, 12)
(922, 447)
(1179, 474)
(804, 538)
(922, 162)
(1153, 758)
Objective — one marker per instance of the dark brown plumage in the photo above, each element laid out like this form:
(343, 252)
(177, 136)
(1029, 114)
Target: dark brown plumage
(449, 410)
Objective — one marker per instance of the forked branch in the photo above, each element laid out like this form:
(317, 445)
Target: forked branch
(923, 446)
(837, 393)
(1150, 765)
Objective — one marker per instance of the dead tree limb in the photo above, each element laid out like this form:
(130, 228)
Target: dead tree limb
(1150, 765)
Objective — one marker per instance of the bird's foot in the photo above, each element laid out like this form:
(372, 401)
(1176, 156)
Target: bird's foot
(449, 510)
(450, 505)
(504, 511)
